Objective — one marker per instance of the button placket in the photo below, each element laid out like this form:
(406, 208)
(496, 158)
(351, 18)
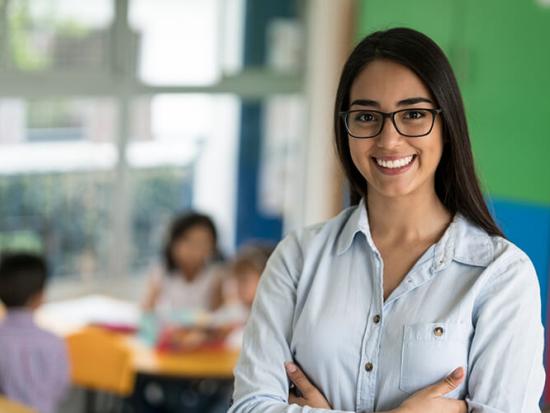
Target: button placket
(370, 350)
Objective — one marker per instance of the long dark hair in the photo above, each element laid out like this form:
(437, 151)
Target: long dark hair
(179, 227)
(456, 182)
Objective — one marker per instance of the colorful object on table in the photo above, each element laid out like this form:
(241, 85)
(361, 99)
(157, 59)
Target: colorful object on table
(178, 339)
(116, 327)
(185, 331)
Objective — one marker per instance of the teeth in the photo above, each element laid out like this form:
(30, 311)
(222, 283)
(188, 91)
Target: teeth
(398, 163)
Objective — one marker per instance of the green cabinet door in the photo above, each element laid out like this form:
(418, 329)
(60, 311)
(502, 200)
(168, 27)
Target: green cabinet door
(500, 50)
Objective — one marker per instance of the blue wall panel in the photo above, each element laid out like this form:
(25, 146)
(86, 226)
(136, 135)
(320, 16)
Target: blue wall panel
(528, 226)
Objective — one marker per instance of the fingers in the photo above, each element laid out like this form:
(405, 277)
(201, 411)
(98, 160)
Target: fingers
(299, 379)
(455, 406)
(449, 383)
(462, 406)
(292, 399)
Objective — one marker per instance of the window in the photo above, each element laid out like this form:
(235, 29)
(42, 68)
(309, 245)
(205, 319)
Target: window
(114, 116)
(57, 34)
(57, 158)
(182, 153)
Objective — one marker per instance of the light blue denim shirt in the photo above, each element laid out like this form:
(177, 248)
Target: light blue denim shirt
(471, 300)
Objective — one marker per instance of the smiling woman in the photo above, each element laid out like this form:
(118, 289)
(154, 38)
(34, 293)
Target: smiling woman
(411, 300)
(392, 164)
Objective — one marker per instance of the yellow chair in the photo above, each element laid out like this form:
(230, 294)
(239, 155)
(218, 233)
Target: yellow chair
(9, 406)
(101, 361)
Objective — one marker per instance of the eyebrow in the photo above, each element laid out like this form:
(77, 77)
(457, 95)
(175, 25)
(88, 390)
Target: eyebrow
(412, 101)
(404, 102)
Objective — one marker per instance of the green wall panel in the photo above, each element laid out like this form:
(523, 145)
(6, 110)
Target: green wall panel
(500, 50)
(381, 15)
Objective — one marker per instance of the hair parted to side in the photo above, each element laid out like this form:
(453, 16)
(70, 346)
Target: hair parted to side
(456, 182)
(22, 276)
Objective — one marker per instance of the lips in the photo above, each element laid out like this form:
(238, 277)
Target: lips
(393, 165)
(393, 162)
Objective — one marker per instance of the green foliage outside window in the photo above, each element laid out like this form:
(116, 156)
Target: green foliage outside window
(67, 216)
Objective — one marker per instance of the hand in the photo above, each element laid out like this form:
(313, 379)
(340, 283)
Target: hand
(311, 396)
(430, 400)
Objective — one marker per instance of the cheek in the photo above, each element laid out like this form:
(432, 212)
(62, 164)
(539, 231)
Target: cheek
(358, 153)
(431, 153)
(179, 251)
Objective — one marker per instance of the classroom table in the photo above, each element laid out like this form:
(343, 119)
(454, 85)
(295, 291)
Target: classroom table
(69, 316)
(205, 374)
(196, 364)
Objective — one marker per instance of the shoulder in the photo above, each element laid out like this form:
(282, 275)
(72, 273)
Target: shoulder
(474, 246)
(214, 273)
(292, 249)
(323, 232)
(51, 339)
(499, 257)
(36, 337)
(156, 274)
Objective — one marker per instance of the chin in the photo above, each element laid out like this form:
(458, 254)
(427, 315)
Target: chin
(393, 191)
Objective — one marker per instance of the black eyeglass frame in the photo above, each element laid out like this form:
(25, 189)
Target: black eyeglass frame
(345, 114)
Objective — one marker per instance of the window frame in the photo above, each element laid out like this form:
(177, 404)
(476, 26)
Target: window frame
(120, 81)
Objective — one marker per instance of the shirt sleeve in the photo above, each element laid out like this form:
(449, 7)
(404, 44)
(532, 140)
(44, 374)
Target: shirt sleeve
(261, 384)
(506, 371)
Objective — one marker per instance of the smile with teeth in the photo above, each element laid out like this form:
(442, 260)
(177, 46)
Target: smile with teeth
(396, 163)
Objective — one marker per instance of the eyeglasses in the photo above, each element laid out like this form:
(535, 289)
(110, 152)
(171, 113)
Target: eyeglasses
(411, 123)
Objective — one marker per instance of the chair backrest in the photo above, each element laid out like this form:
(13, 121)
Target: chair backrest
(100, 360)
(9, 406)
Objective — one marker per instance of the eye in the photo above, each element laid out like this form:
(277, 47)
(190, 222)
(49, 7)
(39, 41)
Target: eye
(363, 116)
(414, 114)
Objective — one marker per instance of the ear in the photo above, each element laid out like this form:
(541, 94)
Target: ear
(36, 300)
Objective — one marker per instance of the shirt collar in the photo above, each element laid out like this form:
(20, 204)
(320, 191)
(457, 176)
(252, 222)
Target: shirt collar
(19, 317)
(358, 221)
(462, 241)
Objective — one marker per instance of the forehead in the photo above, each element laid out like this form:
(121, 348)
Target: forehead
(386, 81)
(196, 231)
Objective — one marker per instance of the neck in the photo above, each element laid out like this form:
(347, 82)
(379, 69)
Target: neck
(189, 274)
(411, 218)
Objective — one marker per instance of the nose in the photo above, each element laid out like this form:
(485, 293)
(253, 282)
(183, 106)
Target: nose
(389, 137)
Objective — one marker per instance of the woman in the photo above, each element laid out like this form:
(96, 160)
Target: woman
(412, 300)
(188, 280)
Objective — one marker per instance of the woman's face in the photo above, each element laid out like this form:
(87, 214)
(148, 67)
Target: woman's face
(388, 86)
(193, 249)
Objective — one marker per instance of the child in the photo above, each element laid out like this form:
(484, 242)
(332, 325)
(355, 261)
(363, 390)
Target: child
(225, 325)
(188, 281)
(34, 367)
(240, 288)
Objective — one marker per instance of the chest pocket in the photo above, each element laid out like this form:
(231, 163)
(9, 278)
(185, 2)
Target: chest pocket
(430, 352)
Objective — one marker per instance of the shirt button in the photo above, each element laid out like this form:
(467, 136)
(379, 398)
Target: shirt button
(369, 366)
(376, 319)
(438, 331)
